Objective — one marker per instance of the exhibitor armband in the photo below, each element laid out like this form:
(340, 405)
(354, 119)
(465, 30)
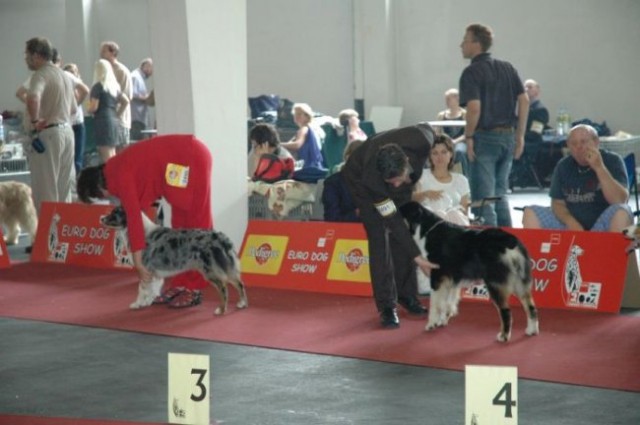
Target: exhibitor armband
(386, 208)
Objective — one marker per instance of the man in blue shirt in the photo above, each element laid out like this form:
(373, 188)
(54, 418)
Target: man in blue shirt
(588, 189)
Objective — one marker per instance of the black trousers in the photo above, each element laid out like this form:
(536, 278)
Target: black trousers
(393, 271)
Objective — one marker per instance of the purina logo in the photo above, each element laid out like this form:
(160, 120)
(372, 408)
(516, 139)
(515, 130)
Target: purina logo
(354, 259)
(263, 253)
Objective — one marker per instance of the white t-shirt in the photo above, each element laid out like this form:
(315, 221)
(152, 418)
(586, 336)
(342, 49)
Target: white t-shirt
(453, 192)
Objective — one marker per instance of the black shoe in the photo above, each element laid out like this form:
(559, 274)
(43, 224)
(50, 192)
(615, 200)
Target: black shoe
(389, 318)
(28, 249)
(413, 306)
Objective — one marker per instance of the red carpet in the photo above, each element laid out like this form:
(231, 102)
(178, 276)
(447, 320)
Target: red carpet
(587, 349)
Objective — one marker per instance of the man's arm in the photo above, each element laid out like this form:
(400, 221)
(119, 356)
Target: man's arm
(523, 113)
(472, 118)
(612, 190)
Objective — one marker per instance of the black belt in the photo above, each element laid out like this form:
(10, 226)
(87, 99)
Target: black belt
(58, 125)
(499, 129)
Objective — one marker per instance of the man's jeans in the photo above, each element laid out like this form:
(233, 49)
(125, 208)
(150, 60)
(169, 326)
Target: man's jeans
(489, 175)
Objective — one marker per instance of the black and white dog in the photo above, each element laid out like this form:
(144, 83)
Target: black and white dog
(172, 251)
(466, 255)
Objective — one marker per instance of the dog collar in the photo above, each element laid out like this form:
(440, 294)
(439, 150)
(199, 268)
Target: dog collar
(433, 227)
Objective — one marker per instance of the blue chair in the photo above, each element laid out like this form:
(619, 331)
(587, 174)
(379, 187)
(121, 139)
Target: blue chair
(630, 164)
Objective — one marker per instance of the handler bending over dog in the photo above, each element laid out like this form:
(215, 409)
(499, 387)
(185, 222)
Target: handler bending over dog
(380, 175)
(176, 167)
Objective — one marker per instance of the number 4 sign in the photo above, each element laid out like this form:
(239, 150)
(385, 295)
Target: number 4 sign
(491, 394)
(188, 401)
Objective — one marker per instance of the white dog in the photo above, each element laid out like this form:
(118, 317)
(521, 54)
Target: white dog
(17, 211)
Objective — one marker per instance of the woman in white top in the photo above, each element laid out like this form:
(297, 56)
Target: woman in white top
(442, 191)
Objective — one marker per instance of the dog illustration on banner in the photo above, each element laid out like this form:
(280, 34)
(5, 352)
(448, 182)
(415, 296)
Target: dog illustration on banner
(121, 249)
(57, 250)
(576, 292)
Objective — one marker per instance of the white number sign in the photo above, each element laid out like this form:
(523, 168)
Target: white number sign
(491, 395)
(188, 401)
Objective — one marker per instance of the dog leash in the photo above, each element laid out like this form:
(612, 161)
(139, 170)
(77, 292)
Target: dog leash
(433, 227)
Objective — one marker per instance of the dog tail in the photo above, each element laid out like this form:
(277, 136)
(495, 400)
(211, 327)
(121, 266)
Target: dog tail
(228, 255)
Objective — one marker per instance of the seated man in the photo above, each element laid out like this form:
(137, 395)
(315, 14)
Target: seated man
(588, 189)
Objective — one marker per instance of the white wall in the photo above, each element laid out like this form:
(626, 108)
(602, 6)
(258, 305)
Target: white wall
(302, 50)
(583, 52)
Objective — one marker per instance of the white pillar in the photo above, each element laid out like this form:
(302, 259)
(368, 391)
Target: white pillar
(199, 50)
(374, 61)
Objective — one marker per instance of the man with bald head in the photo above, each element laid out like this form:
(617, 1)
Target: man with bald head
(538, 118)
(588, 189)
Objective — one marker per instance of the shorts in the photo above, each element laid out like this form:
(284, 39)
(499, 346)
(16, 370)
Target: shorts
(548, 219)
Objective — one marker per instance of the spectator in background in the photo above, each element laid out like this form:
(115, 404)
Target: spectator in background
(81, 91)
(264, 139)
(588, 189)
(109, 51)
(337, 202)
(526, 170)
(497, 109)
(306, 144)
(141, 99)
(455, 113)
(349, 119)
(106, 102)
(442, 191)
(50, 105)
(21, 92)
(538, 118)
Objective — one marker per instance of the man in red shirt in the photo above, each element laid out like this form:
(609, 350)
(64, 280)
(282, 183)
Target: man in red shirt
(174, 167)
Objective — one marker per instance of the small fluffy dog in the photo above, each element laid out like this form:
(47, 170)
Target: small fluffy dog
(17, 211)
(491, 254)
(172, 251)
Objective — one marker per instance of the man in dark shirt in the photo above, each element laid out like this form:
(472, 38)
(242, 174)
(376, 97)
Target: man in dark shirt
(538, 118)
(380, 175)
(497, 109)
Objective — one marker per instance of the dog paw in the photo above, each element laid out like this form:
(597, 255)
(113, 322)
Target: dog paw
(430, 326)
(219, 311)
(502, 337)
(532, 330)
(134, 306)
(242, 304)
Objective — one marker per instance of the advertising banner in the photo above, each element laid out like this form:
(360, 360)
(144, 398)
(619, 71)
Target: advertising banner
(308, 256)
(72, 234)
(571, 270)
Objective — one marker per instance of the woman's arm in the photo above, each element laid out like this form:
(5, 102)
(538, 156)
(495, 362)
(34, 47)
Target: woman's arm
(296, 143)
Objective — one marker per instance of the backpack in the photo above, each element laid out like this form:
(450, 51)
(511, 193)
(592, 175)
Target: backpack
(272, 168)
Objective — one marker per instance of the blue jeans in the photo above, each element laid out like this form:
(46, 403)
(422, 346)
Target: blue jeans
(78, 136)
(460, 155)
(489, 175)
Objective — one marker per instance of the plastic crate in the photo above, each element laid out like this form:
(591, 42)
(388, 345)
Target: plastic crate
(18, 165)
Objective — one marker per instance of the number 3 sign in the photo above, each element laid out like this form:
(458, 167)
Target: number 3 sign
(188, 401)
(491, 394)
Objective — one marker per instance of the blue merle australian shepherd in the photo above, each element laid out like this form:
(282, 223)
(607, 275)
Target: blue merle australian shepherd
(466, 255)
(173, 251)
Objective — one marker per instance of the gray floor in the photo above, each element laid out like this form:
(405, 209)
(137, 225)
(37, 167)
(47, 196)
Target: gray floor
(61, 370)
